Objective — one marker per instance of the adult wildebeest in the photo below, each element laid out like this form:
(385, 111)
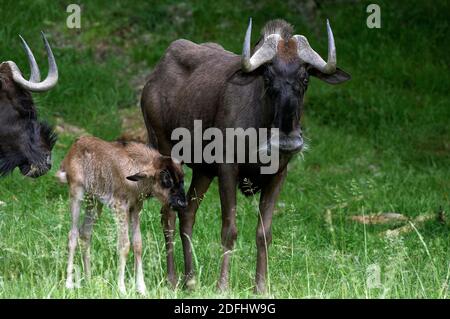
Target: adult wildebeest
(25, 142)
(260, 90)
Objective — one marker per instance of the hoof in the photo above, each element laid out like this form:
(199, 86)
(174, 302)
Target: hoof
(190, 284)
(122, 290)
(70, 285)
(173, 282)
(260, 289)
(142, 290)
(222, 287)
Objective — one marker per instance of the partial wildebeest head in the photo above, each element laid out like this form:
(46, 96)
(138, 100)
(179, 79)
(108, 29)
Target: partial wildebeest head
(169, 181)
(25, 142)
(286, 61)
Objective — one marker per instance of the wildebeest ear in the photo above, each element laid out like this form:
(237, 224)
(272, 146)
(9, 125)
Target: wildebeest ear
(337, 77)
(178, 161)
(137, 177)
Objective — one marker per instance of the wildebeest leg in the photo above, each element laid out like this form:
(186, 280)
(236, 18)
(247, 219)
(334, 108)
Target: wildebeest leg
(269, 196)
(123, 243)
(199, 186)
(137, 249)
(76, 196)
(93, 212)
(168, 220)
(227, 190)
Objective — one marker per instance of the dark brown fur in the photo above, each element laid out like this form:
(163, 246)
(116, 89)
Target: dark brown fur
(25, 142)
(203, 81)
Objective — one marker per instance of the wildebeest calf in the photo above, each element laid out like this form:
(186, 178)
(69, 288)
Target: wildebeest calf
(121, 176)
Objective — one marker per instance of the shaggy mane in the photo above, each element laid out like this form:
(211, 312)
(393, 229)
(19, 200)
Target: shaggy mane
(278, 26)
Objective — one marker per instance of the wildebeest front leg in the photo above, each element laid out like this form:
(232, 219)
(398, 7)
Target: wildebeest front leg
(93, 212)
(199, 185)
(137, 249)
(123, 244)
(76, 196)
(269, 196)
(227, 190)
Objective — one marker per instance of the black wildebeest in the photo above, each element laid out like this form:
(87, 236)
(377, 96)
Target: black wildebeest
(25, 142)
(224, 90)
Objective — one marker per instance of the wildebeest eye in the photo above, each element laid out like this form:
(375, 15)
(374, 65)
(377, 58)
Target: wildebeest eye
(166, 179)
(305, 81)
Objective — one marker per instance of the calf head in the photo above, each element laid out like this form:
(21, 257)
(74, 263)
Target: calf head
(167, 181)
(25, 142)
(286, 61)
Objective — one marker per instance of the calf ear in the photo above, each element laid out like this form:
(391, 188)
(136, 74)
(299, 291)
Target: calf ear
(166, 179)
(337, 77)
(136, 177)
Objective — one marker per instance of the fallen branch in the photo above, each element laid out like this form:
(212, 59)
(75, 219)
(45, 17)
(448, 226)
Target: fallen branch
(440, 216)
(379, 219)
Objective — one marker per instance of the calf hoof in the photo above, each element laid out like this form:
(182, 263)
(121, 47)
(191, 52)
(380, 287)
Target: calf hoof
(70, 285)
(142, 290)
(122, 290)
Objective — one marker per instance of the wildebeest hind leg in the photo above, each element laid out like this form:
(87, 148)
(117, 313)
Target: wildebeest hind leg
(76, 196)
(137, 249)
(93, 211)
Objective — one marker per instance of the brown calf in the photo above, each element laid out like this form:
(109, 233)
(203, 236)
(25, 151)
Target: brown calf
(121, 176)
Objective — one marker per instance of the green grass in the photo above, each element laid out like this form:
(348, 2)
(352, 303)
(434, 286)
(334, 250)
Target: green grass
(380, 143)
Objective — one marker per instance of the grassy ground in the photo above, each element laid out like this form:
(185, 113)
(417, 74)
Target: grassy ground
(380, 143)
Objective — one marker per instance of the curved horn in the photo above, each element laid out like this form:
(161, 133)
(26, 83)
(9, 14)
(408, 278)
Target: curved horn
(48, 83)
(308, 55)
(35, 75)
(264, 54)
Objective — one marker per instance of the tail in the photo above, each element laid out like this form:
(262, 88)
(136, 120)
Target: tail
(61, 175)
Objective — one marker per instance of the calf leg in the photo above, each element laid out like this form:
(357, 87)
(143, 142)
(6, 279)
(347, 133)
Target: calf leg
(199, 185)
(76, 197)
(137, 249)
(269, 196)
(227, 190)
(168, 220)
(93, 212)
(123, 244)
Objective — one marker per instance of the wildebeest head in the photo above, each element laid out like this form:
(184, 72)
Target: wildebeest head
(168, 181)
(286, 62)
(25, 142)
